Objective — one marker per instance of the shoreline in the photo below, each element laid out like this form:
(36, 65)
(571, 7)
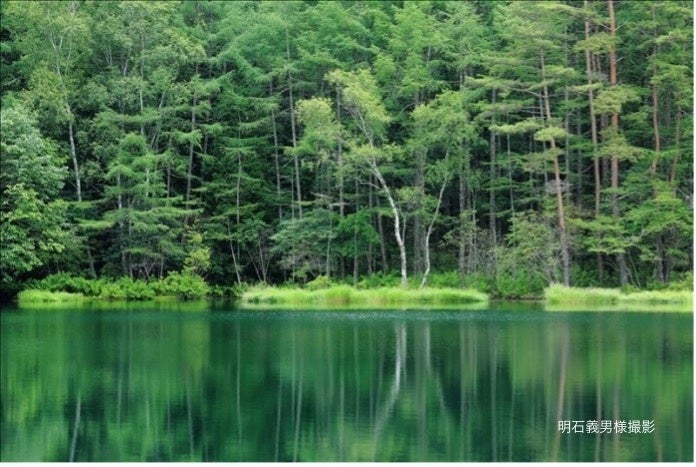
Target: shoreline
(556, 299)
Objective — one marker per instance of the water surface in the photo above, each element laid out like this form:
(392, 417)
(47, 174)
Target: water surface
(143, 383)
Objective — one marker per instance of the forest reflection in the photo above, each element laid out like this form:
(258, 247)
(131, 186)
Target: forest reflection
(330, 387)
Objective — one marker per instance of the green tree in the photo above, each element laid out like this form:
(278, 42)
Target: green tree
(370, 150)
(33, 229)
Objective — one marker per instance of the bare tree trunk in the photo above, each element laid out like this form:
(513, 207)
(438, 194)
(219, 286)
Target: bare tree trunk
(565, 257)
(491, 191)
(593, 129)
(656, 130)
(397, 223)
(189, 169)
(659, 246)
(418, 234)
(293, 127)
(382, 242)
(620, 257)
(234, 256)
(276, 164)
(426, 250)
(370, 207)
(355, 239)
(677, 149)
(461, 260)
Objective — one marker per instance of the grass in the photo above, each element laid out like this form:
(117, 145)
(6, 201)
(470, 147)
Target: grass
(560, 298)
(44, 296)
(47, 300)
(347, 296)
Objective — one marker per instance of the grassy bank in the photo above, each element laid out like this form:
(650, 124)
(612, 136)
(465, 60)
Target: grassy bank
(26, 297)
(43, 300)
(560, 298)
(347, 296)
(64, 288)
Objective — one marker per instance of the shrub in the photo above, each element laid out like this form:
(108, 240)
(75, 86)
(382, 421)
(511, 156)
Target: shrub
(379, 279)
(518, 284)
(478, 281)
(445, 279)
(320, 282)
(184, 285)
(685, 283)
(126, 288)
(226, 291)
(64, 282)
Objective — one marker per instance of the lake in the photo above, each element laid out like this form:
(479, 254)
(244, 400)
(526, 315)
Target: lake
(196, 382)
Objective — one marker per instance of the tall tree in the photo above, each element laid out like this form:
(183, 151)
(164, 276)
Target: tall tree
(33, 223)
(370, 150)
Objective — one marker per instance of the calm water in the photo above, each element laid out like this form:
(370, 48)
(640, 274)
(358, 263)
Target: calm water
(177, 385)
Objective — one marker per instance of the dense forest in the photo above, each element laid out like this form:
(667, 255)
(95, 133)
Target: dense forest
(499, 145)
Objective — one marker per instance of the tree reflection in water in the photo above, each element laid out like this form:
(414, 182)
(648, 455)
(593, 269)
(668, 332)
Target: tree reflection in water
(313, 386)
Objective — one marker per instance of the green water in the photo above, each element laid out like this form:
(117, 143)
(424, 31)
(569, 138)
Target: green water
(147, 383)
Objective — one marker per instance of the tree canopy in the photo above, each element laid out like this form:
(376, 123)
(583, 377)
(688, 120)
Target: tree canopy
(510, 143)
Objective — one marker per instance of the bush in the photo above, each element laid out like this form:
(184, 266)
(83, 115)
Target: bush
(126, 288)
(226, 291)
(182, 285)
(685, 283)
(64, 282)
(379, 279)
(186, 285)
(320, 282)
(445, 279)
(518, 284)
(478, 281)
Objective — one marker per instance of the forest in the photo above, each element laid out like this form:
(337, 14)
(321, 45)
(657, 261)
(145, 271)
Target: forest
(496, 145)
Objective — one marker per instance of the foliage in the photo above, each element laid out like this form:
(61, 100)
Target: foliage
(378, 279)
(32, 220)
(450, 279)
(319, 282)
(529, 260)
(559, 297)
(347, 296)
(66, 282)
(556, 294)
(282, 141)
(185, 285)
(126, 288)
(29, 296)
